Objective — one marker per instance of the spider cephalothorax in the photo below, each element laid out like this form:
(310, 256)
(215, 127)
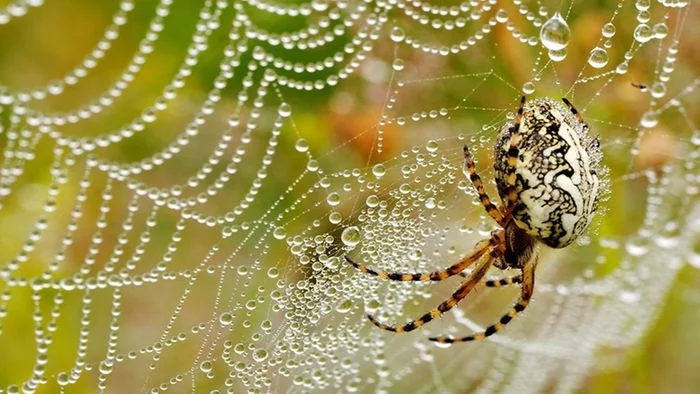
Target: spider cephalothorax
(547, 176)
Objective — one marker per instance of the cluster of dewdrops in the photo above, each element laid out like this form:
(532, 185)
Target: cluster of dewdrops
(387, 229)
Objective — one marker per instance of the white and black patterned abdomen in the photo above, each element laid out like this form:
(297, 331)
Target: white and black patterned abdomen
(557, 184)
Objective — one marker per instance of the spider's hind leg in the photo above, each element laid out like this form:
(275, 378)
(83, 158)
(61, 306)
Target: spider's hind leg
(469, 169)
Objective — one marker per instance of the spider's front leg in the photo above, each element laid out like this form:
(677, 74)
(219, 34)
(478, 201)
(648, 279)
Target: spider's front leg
(574, 111)
(479, 250)
(513, 153)
(469, 170)
(528, 286)
(467, 285)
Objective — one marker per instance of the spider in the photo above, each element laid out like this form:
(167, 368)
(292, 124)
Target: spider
(546, 169)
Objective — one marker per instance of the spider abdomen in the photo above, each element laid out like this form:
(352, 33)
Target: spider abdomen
(557, 173)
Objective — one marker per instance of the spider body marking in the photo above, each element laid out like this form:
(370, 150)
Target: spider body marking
(546, 168)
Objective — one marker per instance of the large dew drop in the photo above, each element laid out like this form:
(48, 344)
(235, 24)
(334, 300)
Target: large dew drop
(555, 33)
(351, 236)
(598, 58)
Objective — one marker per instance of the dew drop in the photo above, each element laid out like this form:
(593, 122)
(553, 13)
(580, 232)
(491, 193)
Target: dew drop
(598, 58)
(609, 30)
(273, 272)
(351, 236)
(333, 199)
(260, 355)
(63, 379)
(660, 31)
(397, 34)
(643, 33)
(555, 33)
(649, 120)
(658, 90)
(372, 201)
(398, 64)
(335, 217)
(284, 110)
(529, 87)
(225, 319)
(431, 146)
(279, 233)
(622, 68)
(379, 170)
(344, 306)
(302, 145)
(206, 366)
(557, 55)
(442, 345)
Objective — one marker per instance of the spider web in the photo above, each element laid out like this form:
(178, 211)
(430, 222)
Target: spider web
(176, 199)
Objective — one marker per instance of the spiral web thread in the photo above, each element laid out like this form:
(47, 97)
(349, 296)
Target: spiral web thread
(119, 276)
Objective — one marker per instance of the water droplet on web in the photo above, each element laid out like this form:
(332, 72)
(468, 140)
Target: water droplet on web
(302, 145)
(415, 254)
(649, 120)
(260, 355)
(344, 306)
(658, 89)
(397, 34)
(397, 64)
(622, 68)
(598, 58)
(431, 146)
(557, 55)
(284, 110)
(379, 170)
(273, 272)
(660, 31)
(333, 199)
(63, 379)
(555, 33)
(225, 319)
(609, 30)
(335, 217)
(351, 236)
(442, 345)
(373, 305)
(430, 203)
(642, 5)
(279, 233)
(206, 366)
(372, 201)
(643, 33)
(528, 87)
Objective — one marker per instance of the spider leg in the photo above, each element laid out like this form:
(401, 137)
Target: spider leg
(513, 153)
(511, 280)
(528, 284)
(479, 250)
(469, 169)
(467, 286)
(574, 111)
